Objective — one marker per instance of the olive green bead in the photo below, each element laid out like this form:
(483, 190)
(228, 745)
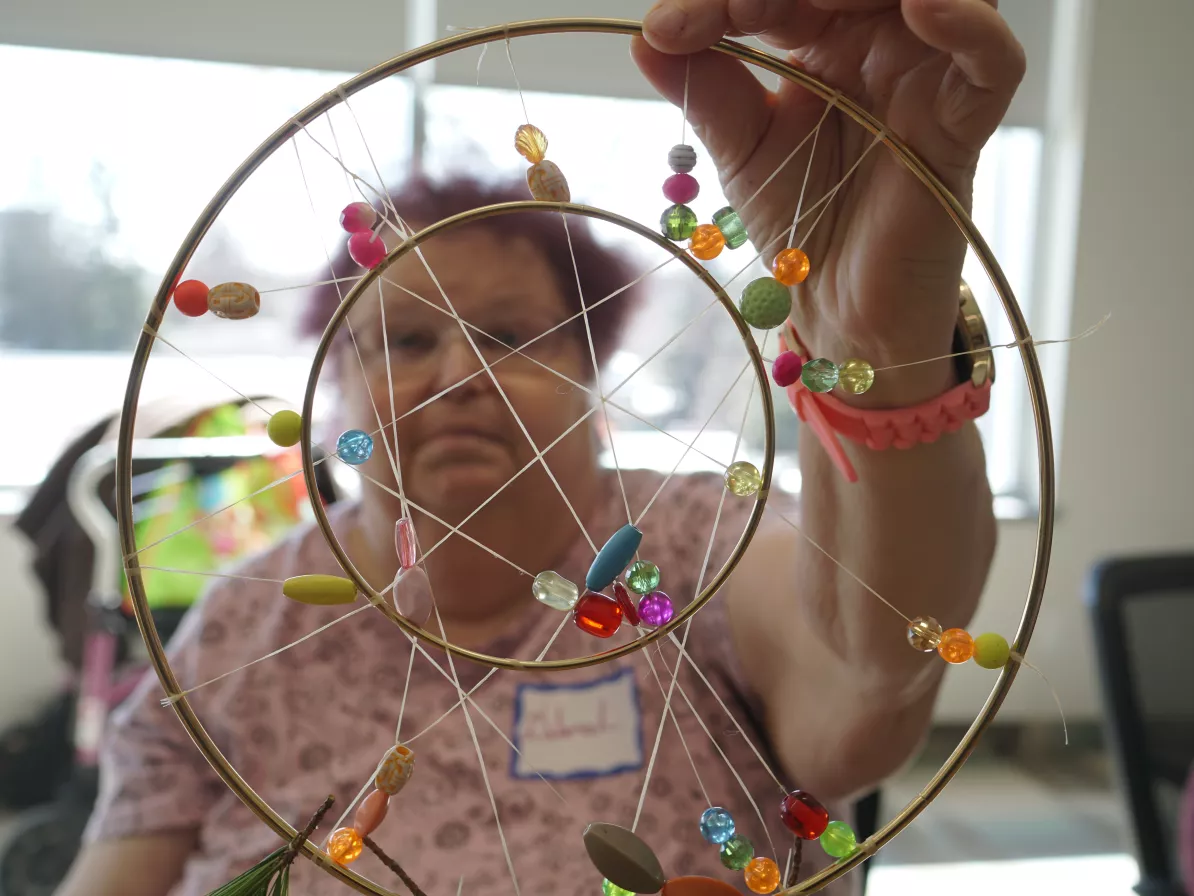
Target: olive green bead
(285, 428)
(991, 650)
(743, 478)
(737, 852)
(856, 376)
(678, 222)
(765, 303)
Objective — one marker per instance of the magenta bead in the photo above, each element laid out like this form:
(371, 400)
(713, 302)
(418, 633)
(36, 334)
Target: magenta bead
(405, 544)
(785, 369)
(655, 609)
(358, 217)
(681, 188)
(366, 249)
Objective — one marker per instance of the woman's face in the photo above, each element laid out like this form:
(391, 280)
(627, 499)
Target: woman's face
(458, 437)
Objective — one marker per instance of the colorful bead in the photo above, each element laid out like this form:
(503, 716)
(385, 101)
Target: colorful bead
(609, 888)
(320, 590)
(642, 577)
(555, 591)
(785, 369)
(531, 143)
(405, 543)
(358, 217)
(706, 242)
(731, 226)
(765, 303)
(681, 158)
(629, 610)
(284, 429)
(856, 376)
(234, 301)
(803, 815)
(547, 182)
(717, 825)
(743, 478)
(597, 614)
(790, 267)
(819, 375)
(615, 555)
(956, 645)
(367, 249)
(991, 650)
(839, 840)
(354, 447)
(656, 609)
(737, 852)
(681, 188)
(623, 858)
(761, 875)
(371, 812)
(396, 769)
(678, 222)
(698, 886)
(345, 846)
(190, 297)
(924, 633)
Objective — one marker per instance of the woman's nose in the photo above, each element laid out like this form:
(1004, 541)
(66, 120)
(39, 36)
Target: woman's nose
(458, 363)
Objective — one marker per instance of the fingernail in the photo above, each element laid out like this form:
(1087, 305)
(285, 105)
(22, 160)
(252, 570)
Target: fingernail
(665, 20)
(746, 13)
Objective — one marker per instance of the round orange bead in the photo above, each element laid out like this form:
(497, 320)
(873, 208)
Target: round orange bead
(706, 242)
(956, 645)
(762, 875)
(345, 845)
(790, 267)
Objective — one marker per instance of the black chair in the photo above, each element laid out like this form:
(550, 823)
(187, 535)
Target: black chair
(1143, 612)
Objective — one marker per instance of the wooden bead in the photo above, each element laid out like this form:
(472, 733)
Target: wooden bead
(396, 769)
(547, 182)
(371, 812)
(234, 301)
(623, 858)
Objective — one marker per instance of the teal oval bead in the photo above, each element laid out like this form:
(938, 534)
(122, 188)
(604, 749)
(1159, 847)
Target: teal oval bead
(737, 852)
(678, 222)
(614, 556)
(819, 375)
(838, 840)
(731, 226)
(765, 303)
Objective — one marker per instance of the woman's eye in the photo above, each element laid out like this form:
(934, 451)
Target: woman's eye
(411, 340)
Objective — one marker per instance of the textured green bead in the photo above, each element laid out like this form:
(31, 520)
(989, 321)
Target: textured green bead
(765, 303)
(611, 889)
(838, 839)
(819, 375)
(737, 852)
(731, 226)
(991, 650)
(678, 222)
(643, 577)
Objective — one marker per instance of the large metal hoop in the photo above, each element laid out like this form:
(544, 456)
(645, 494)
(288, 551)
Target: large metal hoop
(955, 209)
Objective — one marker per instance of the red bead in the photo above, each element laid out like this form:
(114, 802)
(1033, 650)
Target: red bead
(366, 249)
(785, 369)
(597, 614)
(803, 815)
(358, 217)
(681, 188)
(629, 610)
(191, 298)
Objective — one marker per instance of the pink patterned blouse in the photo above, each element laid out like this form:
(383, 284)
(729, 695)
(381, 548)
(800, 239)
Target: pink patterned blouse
(317, 719)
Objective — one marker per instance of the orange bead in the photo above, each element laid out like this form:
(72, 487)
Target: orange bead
(531, 143)
(190, 297)
(762, 875)
(345, 845)
(396, 769)
(790, 267)
(371, 812)
(956, 645)
(706, 242)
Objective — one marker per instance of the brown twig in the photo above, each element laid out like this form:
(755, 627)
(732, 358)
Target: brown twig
(297, 843)
(794, 872)
(393, 865)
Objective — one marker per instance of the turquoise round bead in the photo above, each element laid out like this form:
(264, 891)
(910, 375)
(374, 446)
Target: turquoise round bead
(731, 226)
(717, 825)
(737, 852)
(819, 375)
(838, 840)
(765, 303)
(354, 447)
(678, 222)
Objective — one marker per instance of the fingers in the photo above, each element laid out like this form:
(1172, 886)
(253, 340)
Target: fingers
(687, 26)
(975, 36)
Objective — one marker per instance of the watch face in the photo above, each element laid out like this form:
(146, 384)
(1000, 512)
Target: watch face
(970, 336)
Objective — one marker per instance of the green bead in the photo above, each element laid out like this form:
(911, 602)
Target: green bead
(838, 839)
(678, 222)
(856, 376)
(765, 303)
(743, 478)
(643, 577)
(737, 852)
(285, 428)
(731, 226)
(991, 650)
(819, 375)
(612, 889)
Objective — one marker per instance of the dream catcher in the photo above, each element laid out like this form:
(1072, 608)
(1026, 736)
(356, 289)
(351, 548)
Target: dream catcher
(617, 608)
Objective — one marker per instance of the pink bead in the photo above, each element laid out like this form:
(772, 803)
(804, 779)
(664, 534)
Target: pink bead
(785, 369)
(358, 217)
(371, 813)
(405, 544)
(366, 249)
(681, 188)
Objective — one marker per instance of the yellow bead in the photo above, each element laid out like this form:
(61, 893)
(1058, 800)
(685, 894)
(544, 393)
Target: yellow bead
(743, 478)
(991, 650)
(924, 634)
(762, 875)
(322, 591)
(284, 429)
(531, 143)
(790, 267)
(855, 376)
(345, 845)
(395, 770)
(547, 182)
(956, 645)
(706, 242)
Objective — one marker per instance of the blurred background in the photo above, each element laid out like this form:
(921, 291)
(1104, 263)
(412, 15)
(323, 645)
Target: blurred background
(125, 117)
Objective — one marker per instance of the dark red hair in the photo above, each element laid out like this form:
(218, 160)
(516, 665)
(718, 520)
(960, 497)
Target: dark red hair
(601, 270)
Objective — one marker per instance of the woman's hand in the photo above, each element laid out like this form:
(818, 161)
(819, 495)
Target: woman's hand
(886, 259)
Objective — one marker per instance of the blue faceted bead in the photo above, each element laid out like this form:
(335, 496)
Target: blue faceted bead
(354, 447)
(717, 825)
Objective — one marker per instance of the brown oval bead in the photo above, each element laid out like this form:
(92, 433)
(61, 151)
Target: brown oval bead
(623, 858)
(698, 886)
(371, 813)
